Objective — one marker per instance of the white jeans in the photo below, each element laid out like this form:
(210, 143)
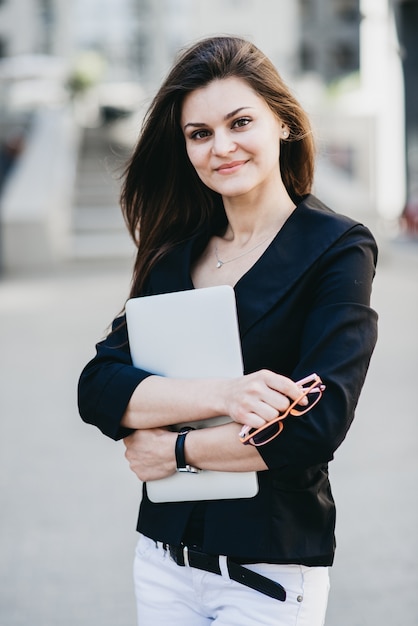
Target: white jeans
(170, 595)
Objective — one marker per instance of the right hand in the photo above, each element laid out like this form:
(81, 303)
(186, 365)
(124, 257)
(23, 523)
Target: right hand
(257, 398)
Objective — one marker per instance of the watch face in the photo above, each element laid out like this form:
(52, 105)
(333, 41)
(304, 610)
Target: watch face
(190, 469)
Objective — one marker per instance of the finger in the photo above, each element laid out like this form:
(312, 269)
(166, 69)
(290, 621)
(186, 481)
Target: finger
(261, 414)
(128, 441)
(265, 401)
(266, 411)
(256, 389)
(277, 401)
(253, 420)
(283, 385)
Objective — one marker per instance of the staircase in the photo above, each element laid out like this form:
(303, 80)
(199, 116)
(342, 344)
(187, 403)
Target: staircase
(98, 229)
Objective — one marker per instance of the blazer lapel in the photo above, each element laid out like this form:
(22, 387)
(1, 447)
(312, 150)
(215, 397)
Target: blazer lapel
(308, 233)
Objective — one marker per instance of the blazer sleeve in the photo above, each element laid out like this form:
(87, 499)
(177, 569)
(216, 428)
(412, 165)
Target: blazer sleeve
(108, 381)
(337, 341)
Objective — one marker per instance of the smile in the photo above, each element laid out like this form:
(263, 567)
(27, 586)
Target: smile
(230, 168)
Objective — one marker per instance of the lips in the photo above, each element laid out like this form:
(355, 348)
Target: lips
(227, 168)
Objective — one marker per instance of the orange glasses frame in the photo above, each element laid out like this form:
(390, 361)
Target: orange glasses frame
(314, 385)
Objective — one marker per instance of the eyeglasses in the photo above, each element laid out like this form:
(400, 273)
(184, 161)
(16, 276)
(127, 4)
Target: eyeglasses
(312, 388)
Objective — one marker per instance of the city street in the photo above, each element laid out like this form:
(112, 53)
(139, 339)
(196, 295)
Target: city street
(69, 502)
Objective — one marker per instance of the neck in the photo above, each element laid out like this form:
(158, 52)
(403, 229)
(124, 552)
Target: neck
(256, 217)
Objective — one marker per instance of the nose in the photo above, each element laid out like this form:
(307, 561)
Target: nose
(222, 143)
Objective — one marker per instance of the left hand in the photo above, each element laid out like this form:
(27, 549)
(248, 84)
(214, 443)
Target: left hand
(150, 453)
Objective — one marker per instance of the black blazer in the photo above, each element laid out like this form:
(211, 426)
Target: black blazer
(303, 307)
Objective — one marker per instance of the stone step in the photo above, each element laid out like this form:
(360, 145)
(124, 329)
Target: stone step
(102, 245)
(94, 197)
(100, 218)
(98, 228)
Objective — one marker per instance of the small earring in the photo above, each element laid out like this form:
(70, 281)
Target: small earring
(285, 133)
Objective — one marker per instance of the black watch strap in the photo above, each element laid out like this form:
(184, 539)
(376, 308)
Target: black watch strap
(182, 466)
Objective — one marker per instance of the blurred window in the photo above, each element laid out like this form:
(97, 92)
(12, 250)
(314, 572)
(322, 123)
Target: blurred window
(307, 58)
(345, 56)
(348, 10)
(307, 9)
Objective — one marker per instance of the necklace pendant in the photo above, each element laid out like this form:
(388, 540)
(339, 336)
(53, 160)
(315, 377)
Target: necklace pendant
(219, 264)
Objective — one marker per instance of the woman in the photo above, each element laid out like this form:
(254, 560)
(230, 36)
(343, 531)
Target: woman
(218, 192)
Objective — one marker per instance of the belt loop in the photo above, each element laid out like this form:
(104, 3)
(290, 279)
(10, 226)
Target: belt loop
(186, 556)
(223, 566)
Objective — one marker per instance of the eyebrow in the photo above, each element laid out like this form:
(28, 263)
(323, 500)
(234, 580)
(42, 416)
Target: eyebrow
(226, 118)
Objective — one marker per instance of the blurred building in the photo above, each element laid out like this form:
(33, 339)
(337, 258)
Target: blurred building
(117, 52)
(35, 27)
(139, 38)
(167, 25)
(383, 99)
(108, 27)
(407, 22)
(329, 37)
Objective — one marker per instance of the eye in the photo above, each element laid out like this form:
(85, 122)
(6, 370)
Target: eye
(241, 122)
(200, 134)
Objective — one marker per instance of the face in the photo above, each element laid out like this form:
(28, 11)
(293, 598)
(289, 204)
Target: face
(232, 137)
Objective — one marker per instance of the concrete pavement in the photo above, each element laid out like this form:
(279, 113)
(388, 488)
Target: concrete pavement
(69, 502)
(375, 472)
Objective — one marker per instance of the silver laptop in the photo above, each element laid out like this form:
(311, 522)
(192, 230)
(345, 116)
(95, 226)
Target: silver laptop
(190, 334)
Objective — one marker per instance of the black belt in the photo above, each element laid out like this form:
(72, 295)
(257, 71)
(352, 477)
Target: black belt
(183, 555)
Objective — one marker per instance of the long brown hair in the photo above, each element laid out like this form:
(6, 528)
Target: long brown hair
(163, 200)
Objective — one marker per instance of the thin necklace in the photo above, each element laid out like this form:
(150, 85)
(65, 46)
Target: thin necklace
(220, 263)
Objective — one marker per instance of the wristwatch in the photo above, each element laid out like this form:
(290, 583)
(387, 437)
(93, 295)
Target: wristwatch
(182, 466)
